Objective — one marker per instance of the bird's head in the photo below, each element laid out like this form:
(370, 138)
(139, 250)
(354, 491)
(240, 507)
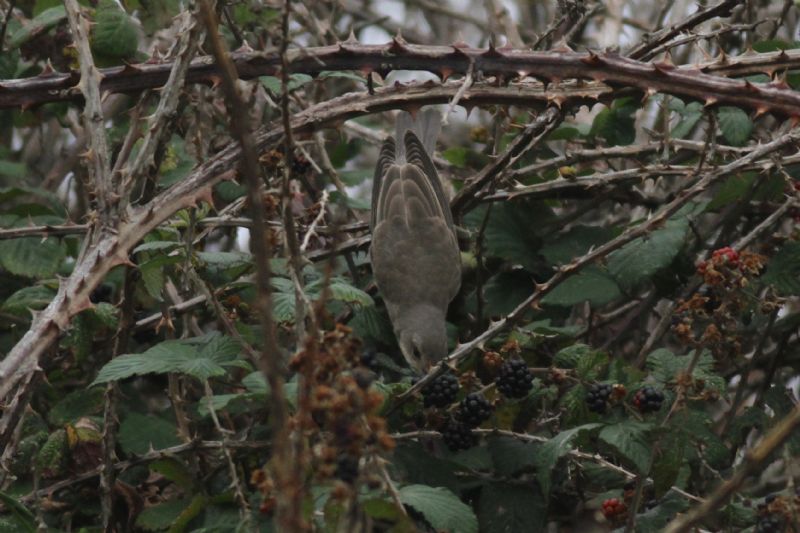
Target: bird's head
(422, 336)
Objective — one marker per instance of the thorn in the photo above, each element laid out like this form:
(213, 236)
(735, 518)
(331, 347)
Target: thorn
(668, 59)
(750, 87)
(351, 39)
(492, 51)
(593, 60)
(398, 45)
(722, 58)
(710, 101)
(245, 48)
(760, 110)
(663, 68)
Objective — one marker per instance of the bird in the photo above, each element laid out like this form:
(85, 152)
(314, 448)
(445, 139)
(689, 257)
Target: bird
(416, 261)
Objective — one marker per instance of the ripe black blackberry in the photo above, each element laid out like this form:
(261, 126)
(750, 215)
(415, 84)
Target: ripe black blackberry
(473, 410)
(369, 359)
(441, 392)
(514, 379)
(458, 436)
(648, 399)
(771, 523)
(597, 397)
(347, 468)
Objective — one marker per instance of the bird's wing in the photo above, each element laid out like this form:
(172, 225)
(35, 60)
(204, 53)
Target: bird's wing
(386, 159)
(417, 155)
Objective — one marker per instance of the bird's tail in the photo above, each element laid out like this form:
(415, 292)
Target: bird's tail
(426, 127)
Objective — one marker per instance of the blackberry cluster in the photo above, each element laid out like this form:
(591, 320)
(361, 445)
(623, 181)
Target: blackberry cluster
(771, 523)
(648, 399)
(458, 436)
(442, 392)
(514, 379)
(473, 410)
(597, 397)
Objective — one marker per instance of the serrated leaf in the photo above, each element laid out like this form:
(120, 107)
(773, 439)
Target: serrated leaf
(735, 125)
(156, 246)
(507, 508)
(629, 439)
(551, 451)
(32, 257)
(591, 285)
(511, 231)
(114, 34)
(139, 433)
(666, 366)
(175, 471)
(783, 271)
(441, 508)
(641, 258)
(173, 356)
(731, 190)
(35, 297)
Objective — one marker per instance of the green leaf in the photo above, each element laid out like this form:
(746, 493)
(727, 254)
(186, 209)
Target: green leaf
(35, 297)
(441, 508)
(666, 366)
(690, 116)
(25, 520)
(13, 169)
(551, 451)
(77, 404)
(273, 84)
(114, 34)
(510, 455)
(668, 461)
(325, 74)
(736, 126)
(630, 440)
(139, 433)
(162, 515)
(175, 471)
(511, 231)
(40, 24)
(654, 520)
(731, 190)
(32, 257)
(591, 284)
(506, 290)
(174, 356)
(615, 123)
(507, 508)
(783, 271)
(456, 156)
(641, 258)
(563, 247)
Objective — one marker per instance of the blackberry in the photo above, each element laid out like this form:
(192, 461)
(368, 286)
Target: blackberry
(648, 399)
(515, 379)
(441, 392)
(347, 468)
(597, 397)
(771, 523)
(473, 410)
(369, 359)
(458, 436)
